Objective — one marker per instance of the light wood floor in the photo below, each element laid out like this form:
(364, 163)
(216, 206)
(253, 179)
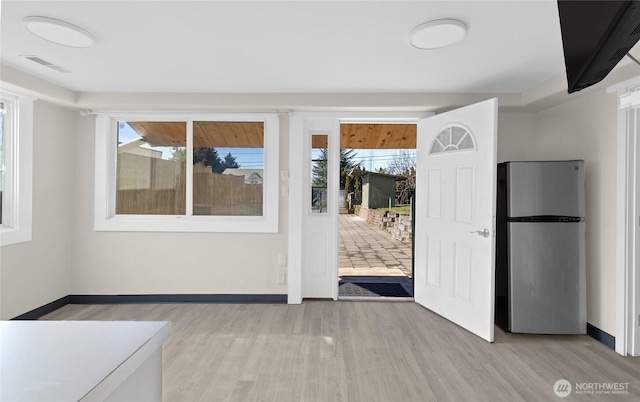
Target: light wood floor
(359, 351)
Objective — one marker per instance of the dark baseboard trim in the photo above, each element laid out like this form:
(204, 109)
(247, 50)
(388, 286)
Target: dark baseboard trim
(179, 298)
(159, 298)
(44, 310)
(598, 334)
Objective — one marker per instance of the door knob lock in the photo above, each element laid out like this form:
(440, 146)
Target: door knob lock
(483, 233)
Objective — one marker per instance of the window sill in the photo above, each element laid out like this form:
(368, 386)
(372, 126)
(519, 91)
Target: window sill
(14, 236)
(195, 224)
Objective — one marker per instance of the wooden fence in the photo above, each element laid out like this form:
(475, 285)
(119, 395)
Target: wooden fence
(157, 186)
(221, 194)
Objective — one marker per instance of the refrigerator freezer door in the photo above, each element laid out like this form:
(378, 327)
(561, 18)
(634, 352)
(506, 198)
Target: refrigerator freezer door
(545, 189)
(547, 278)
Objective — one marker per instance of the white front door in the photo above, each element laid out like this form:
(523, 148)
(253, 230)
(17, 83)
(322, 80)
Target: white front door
(455, 199)
(319, 209)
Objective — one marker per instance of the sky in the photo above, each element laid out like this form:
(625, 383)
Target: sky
(374, 159)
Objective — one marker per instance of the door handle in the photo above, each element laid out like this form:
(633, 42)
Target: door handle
(483, 233)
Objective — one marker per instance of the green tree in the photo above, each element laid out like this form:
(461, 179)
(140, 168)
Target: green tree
(319, 169)
(230, 161)
(207, 157)
(347, 164)
(353, 183)
(358, 172)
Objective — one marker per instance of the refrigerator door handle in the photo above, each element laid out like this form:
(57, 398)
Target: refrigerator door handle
(483, 233)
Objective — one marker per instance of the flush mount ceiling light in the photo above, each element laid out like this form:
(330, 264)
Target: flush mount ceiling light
(57, 31)
(437, 34)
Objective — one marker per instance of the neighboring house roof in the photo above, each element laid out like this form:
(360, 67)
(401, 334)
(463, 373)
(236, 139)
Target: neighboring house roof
(379, 174)
(149, 153)
(251, 176)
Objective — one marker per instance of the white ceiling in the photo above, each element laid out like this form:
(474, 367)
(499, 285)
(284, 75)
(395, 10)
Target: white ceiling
(292, 46)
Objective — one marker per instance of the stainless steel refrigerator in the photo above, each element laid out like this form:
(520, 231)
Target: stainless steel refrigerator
(540, 248)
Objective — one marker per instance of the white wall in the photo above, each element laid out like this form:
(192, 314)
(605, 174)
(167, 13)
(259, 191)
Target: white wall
(37, 272)
(512, 128)
(106, 263)
(583, 128)
(52, 266)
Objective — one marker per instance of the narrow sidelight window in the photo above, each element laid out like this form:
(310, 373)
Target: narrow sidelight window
(319, 156)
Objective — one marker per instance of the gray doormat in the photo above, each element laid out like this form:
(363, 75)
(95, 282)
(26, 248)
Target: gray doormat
(368, 289)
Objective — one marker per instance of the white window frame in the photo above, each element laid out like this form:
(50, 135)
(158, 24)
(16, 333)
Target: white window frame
(627, 336)
(16, 224)
(105, 178)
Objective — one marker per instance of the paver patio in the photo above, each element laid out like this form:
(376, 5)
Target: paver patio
(368, 251)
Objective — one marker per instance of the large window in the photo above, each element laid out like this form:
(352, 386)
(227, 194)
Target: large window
(204, 173)
(16, 134)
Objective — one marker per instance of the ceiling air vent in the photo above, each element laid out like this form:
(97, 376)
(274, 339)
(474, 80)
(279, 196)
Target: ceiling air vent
(45, 63)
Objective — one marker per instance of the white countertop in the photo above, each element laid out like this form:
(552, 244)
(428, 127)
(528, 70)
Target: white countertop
(68, 360)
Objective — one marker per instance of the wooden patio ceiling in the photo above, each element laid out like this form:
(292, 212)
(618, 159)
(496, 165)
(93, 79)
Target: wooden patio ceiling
(251, 135)
(224, 134)
(377, 136)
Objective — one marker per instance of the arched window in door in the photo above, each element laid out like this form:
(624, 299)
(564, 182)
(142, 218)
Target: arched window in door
(451, 139)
